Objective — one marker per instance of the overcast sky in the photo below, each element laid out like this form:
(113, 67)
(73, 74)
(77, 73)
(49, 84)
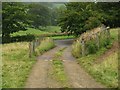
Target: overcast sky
(59, 0)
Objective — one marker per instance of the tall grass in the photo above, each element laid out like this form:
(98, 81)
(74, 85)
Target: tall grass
(107, 71)
(16, 64)
(76, 49)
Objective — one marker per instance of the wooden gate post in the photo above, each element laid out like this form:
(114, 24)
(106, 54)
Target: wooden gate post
(83, 47)
(30, 49)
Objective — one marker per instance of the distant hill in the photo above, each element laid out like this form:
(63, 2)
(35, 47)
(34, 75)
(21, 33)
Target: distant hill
(48, 4)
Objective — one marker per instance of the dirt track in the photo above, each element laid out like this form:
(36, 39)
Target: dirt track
(78, 78)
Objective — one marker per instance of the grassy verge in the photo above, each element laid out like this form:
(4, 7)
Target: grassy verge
(62, 37)
(17, 64)
(58, 69)
(107, 71)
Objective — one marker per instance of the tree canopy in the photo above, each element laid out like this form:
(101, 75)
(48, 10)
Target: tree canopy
(14, 18)
(74, 17)
(80, 16)
(18, 16)
(39, 15)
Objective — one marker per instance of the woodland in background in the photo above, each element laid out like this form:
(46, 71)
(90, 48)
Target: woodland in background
(74, 18)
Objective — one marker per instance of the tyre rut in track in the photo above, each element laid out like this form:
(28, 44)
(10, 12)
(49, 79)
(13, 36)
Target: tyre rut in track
(39, 77)
(78, 78)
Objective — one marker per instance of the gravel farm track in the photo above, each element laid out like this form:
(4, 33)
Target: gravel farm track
(78, 78)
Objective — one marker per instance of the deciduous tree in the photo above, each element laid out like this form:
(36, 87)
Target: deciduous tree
(14, 18)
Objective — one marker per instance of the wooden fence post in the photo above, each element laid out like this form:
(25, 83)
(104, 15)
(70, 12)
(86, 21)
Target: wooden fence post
(97, 40)
(34, 46)
(30, 49)
(83, 47)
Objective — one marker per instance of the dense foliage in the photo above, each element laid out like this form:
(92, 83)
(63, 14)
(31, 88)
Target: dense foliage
(110, 13)
(39, 15)
(14, 18)
(75, 18)
(80, 16)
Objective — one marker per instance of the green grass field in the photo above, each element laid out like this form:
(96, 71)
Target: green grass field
(29, 31)
(47, 30)
(107, 71)
(53, 29)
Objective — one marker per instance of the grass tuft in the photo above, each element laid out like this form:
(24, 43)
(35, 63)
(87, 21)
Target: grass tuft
(76, 49)
(45, 45)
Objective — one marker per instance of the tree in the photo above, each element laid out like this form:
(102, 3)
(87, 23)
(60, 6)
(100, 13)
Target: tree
(40, 15)
(110, 13)
(14, 18)
(56, 12)
(78, 18)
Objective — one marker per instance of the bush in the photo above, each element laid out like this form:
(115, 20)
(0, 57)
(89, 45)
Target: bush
(18, 38)
(23, 38)
(91, 47)
(104, 42)
(92, 39)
